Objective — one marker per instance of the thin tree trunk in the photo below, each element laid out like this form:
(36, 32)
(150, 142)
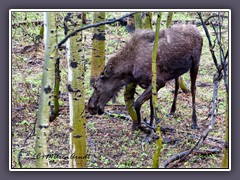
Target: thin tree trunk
(50, 54)
(147, 21)
(138, 21)
(75, 87)
(130, 24)
(169, 19)
(225, 156)
(84, 18)
(98, 47)
(156, 156)
(183, 85)
(129, 100)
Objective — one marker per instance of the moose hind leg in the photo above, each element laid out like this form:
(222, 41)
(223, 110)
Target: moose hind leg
(173, 109)
(193, 76)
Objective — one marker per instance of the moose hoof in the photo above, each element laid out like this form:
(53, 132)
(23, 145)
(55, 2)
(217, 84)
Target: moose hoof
(145, 129)
(135, 126)
(195, 126)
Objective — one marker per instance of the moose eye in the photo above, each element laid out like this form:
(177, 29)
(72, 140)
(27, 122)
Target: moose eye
(102, 76)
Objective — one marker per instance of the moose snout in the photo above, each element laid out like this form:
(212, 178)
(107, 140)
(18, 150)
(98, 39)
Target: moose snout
(92, 110)
(95, 110)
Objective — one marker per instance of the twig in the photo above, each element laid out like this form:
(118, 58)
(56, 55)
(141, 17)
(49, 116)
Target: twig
(213, 16)
(209, 40)
(219, 141)
(222, 56)
(117, 115)
(32, 133)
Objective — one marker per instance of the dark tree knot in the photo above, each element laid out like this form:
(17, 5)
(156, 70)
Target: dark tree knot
(70, 89)
(43, 126)
(100, 36)
(74, 64)
(77, 136)
(47, 89)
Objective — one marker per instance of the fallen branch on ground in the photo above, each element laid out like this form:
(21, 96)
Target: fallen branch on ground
(180, 156)
(30, 134)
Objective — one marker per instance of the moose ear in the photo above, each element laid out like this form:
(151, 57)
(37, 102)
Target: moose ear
(108, 70)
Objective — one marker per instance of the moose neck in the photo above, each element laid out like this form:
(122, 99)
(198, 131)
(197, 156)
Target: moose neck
(122, 69)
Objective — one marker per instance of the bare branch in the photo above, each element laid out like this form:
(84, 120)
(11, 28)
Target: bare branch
(182, 154)
(209, 40)
(90, 26)
(222, 57)
(213, 16)
(32, 133)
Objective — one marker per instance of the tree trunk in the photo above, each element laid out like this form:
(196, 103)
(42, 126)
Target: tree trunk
(130, 24)
(98, 47)
(50, 54)
(138, 21)
(75, 87)
(129, 100)
(156, 156)
(84, 18)
(147, 21)
(183, 85)
(169, 19)
(225, 156)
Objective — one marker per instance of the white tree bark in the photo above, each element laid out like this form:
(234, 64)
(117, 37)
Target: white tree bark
(50, 39)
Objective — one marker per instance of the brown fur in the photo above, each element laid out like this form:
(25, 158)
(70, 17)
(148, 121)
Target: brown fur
(136, 57)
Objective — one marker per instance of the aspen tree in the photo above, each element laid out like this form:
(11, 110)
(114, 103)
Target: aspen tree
(225, 156)
(147, 21)
(98, 47)
(156, 156)
(138, 21)
(50, 55)
(75, 87)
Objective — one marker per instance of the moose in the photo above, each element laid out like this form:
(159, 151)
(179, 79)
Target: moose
(179, 50)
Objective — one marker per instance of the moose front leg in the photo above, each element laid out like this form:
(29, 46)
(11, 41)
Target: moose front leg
(146, 95)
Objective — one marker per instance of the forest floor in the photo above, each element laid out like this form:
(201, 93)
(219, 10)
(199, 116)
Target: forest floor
(111, 142)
